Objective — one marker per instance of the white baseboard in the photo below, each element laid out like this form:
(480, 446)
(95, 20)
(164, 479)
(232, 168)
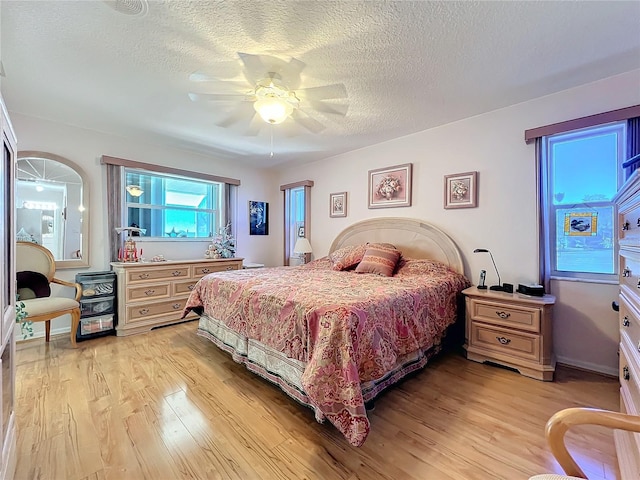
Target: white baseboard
(604, 369)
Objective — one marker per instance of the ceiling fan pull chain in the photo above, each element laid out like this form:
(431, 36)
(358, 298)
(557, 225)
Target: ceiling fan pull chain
(271, 130)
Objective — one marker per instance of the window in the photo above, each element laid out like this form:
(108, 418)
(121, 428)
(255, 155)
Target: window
(169, 206)
(297, 218)
(582, 174)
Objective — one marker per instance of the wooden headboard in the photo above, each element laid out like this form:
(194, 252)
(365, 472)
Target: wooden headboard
(414, 238)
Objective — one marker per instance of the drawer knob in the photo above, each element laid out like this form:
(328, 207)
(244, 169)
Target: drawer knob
(625, 321)
(143, 311)
(176, 306)
(149, 292)
(176, 273)
(191, 287)
(143, 275)
(625, 373)
(503, 315)
(504, 340)
(626, 272)
(625, 226)
(230, 268)
(206, 270)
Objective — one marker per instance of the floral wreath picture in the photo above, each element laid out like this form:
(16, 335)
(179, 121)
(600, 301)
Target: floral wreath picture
(390, 187)
(461, 190)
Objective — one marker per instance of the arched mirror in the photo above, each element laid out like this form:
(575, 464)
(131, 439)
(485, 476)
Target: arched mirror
(52, 200)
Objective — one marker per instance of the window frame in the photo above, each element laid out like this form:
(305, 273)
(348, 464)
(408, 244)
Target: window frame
(550, 209)
(219, 213)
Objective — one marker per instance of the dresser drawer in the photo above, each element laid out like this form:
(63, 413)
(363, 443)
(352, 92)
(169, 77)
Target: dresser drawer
(629, 321)
(629, 222)
(183, 287)
(506, 315)
(505, 341)
(629, 377)
(630, 271)
(148, 310)
(201, 270)
(163, 273)
(154, 291)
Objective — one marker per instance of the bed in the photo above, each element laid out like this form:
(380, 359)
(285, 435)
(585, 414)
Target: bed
(333, 338)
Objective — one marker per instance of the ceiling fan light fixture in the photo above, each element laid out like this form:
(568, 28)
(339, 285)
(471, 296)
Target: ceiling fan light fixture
(273, 110)
(134, 190)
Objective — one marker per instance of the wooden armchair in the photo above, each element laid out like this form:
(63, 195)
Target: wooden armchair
(561, 421)
(35, 270)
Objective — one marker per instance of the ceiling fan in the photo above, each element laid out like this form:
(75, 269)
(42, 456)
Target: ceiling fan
(273, 91)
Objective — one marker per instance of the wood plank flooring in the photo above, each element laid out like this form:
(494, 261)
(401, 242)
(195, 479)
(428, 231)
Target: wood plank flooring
(170, 405)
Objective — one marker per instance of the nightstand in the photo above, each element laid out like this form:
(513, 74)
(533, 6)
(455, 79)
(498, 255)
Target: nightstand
(511, 329)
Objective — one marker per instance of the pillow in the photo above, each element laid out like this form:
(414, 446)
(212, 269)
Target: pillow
(411, 266)
(347, 257)
(32, 285)
(379, 260)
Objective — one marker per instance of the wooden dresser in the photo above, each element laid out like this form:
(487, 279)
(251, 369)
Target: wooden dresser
(628, 205)
(154, 294)
(511, 329)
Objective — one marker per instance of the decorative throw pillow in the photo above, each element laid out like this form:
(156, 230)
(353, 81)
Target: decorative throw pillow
(32, 285)
(347, 257)
(379, 260)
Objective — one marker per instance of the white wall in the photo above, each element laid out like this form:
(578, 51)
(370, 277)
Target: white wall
(505, 220)
(85, 147)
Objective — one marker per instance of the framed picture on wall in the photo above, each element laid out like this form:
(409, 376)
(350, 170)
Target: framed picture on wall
(338, 204)
(461, 190)
(258, 218)
(390, 186)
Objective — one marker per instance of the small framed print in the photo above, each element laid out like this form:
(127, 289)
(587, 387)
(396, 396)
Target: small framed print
(461, 190)
(390, 187)
(338, 204)
(301, 231)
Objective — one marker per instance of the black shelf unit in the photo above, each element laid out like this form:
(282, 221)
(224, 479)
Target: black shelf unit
(98, 306)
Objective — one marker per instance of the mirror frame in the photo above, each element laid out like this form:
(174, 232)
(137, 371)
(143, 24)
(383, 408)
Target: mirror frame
(84, 261)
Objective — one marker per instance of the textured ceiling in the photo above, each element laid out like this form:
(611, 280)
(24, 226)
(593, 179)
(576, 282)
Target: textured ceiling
(406, 66)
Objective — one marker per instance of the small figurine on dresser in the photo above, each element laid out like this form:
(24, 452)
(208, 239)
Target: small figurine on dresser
(129, 251)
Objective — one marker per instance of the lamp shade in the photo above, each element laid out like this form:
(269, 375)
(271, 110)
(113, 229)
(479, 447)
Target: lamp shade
(302, 246)
(273, 110)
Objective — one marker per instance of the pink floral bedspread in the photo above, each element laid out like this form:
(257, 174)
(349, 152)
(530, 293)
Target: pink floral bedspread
(348, 328)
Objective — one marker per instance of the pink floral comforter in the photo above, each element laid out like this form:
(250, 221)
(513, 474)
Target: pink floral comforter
(348, 328)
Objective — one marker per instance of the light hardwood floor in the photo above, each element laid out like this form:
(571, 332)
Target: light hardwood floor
(170, 405)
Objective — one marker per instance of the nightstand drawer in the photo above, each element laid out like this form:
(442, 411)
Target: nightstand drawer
(152, 292)
(505, 341)
(496, 313)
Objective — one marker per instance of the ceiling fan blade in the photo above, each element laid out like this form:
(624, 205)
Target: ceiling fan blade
(325, 92)
(239, 114)
(324, 107)
(255, 68)
(219, 97)
(289, 71)
(255, 125)
(311, 124)
(203, 76)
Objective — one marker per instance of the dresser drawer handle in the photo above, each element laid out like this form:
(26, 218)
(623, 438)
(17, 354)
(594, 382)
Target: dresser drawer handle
(230, 268)
(504, 340)
(176, 306)
(206, 270)
(625, 321)
(625, 226)
(143, 311)
(625, 373)
(149, 292)
(176, 273)
(143, 275)
(626, 272)
(191, 287)
(503, 315)
(638, 222)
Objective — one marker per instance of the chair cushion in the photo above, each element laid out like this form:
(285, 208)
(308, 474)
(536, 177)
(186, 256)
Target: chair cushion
(48, 305)
(32, 285)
